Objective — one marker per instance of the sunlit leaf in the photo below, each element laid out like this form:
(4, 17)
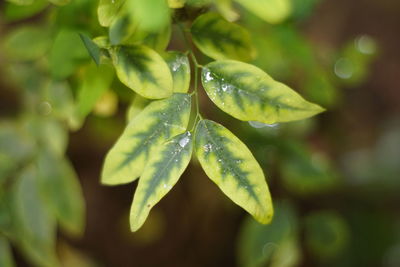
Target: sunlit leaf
(327, 234)
(165, 166)
(108, 10)
(158, 122)
(61, 191)
(178, 64)
(15, 12)
(96, 81)
(249, 94)
(260, 244)
(6, 258)
(21, 2)
(34, 227)
(272, 11)
(220, 39)
(143, 70)
(230, 164)
(15, 48)
(67, 53)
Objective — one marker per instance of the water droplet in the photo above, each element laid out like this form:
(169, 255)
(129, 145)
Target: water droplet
(238, 161)
(45, 108)
(165, 186)
(207, 148)
(208, 76)
(185, 140)
(365, 44)
(257, 124)
(344, 68)
(219, 160)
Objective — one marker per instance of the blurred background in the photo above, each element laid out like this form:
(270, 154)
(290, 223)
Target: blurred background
(334, 179)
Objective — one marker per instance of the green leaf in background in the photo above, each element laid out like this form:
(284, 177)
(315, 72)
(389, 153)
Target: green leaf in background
(272, 11)
(150, 15)
(92, 48)
(6, 258)
(59, 2)
(276, 243)
(14, 12)
(108, 10)
(249, 94)
(155, 40)
(34, 227)
(66, 54)
(121, 29)
(38, 37)
(305, 172)
(137, 105)
(143, 70)
(178, 64)
(158, 122)
(61, 191)
(198, 3)
(21, 2)
(220, 39)
(327, 234)
(225, 8)
(162, 171)
(176, 3)
(96, 80)
(230, 164)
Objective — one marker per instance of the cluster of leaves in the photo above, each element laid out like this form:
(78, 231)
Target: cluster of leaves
(157, 143)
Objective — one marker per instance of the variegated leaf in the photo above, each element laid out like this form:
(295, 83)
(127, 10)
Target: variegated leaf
(249, 94)
(158, 122)
(178, 64)
(161, 173)
(272, 11)
(220, 39)
(230, 164)
(143, 70)
(137, 105)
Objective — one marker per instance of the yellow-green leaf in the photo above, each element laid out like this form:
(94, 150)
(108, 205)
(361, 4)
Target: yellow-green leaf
(176, 3)
(60, 2)
(272, 11)
(249, 94)
(143, 70)
(178, 64)
(161, 173)
(230, 164)
(158, 122)
(220, 39)
(137, 105)
(107, 11)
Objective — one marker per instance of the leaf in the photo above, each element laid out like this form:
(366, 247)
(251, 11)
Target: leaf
(178, 64)
(161, 173)
(14, 12)
(92, 48)
(327, 234)
(137, 105)
(6, 258)
(96, 81)
(176, 3)
(67, 53)
(158, 122)
(143, 70)
(272, 11)
(151, 15)
(34, 227)
(230, 164)
(59, 2)
(15, 43)
(107, 11)
(61, 191)
(220, 39)
(262, 244)
(225, 8)
(21, 2)
(249, 94)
